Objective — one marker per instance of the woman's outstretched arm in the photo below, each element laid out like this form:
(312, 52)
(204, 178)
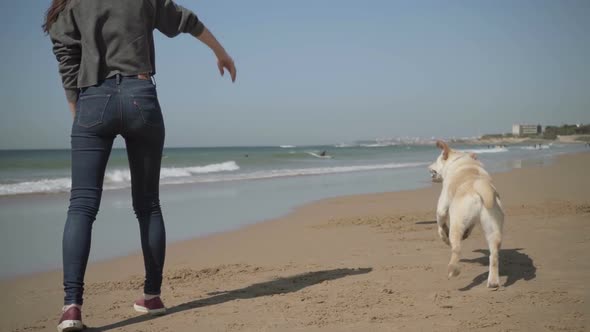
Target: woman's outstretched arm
(223, 59)
(173, 19)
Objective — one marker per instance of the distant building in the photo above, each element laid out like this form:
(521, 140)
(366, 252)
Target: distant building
(526, 129)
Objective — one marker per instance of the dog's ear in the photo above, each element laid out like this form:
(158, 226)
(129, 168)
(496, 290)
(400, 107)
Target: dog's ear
(443, 146)
(473, 156)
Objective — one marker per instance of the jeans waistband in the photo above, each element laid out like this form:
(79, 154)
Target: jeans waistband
(146, 77)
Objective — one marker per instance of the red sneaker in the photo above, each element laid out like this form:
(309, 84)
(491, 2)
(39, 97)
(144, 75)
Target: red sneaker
(153, 306)
(71, 320)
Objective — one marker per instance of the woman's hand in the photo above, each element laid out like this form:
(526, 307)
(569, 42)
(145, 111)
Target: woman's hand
(225, 61)
(72, 106)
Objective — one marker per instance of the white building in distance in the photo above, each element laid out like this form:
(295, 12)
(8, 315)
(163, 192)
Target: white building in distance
(526, 129)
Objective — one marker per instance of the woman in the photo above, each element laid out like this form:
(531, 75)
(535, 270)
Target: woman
(105, 51)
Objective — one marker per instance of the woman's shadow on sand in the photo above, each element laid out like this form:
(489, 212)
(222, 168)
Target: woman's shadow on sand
(277, 286)
(514, 264)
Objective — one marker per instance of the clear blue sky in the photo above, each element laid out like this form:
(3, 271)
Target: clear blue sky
(312, 72)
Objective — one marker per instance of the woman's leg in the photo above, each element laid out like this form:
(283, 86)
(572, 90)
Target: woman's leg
(145, 156)
(90, 153)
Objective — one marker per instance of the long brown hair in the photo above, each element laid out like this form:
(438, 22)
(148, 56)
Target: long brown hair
(56, 7)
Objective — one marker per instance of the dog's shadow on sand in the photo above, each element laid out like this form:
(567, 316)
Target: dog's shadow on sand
(433, 222)
(273, 287)
(514, 264)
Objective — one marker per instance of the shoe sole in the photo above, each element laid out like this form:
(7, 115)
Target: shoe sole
(70, 326)
(153, 312)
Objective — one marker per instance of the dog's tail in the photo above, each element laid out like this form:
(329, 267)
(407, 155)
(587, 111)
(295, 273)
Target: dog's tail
(486, 190)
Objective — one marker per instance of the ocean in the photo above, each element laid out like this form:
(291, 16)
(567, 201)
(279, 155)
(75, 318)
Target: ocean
(209, 190)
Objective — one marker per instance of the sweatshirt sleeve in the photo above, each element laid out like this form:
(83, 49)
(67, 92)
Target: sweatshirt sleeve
(173, 19)
(67, 49)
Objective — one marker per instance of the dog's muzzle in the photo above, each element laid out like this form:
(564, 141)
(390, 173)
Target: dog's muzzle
(435, 176)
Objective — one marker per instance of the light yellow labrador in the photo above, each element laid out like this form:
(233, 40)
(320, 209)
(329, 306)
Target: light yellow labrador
(467, 196)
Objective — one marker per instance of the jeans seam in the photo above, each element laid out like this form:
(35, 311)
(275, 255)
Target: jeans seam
(121, 128)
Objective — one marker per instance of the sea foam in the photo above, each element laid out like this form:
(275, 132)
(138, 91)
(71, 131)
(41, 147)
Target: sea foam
(226, 171)
(118, 178)
(491, 150)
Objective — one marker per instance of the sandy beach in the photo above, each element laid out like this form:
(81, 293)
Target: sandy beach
(356, 263)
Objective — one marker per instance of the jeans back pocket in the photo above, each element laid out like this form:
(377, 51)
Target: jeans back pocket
(91, 109)
(149, 109)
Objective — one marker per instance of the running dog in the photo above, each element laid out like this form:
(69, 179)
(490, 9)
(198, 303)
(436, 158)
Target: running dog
(467, 196)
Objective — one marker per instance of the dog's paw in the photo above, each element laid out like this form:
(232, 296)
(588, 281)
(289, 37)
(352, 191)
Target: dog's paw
(493, 285)
(454, 270)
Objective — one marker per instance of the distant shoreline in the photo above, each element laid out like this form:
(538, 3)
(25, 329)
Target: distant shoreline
(569, 139)
(359, 143)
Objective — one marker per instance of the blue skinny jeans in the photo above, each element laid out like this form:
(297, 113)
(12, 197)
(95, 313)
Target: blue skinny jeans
(117, 106)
